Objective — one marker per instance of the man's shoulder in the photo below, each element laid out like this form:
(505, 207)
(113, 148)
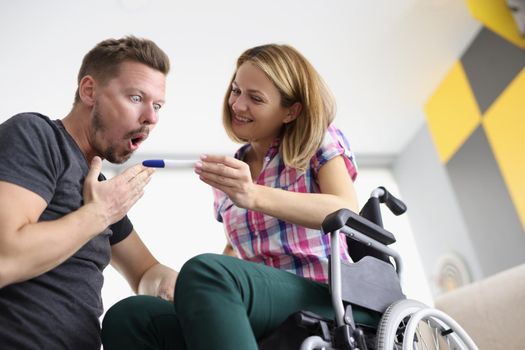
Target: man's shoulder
(28, 121)
(34, 127)
(29, 118)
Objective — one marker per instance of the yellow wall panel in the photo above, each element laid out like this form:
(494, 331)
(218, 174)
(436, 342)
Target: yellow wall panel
(496, 15)
(452, 113)
(504, 125)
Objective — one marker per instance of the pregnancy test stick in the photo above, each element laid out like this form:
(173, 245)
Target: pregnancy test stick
(170, 163)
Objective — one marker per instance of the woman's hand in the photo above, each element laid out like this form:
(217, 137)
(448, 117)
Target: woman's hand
(231, 176)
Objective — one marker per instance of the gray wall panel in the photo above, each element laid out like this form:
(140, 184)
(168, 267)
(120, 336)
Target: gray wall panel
(493, 224)
(490, 64)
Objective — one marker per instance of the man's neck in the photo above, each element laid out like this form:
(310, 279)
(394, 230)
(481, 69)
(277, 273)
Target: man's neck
(76, 124)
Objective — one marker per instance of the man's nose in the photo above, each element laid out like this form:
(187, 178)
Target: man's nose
(149, 116)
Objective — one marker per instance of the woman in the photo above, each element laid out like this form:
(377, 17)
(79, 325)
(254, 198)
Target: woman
(293, 170)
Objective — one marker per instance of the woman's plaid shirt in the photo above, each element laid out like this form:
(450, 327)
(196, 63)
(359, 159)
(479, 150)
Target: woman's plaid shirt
(264, 239)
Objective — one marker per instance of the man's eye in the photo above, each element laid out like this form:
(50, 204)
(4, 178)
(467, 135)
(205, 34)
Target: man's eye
(136, 98)
(157, 106)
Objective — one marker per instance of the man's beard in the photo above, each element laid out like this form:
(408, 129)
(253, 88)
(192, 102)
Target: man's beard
(98, 129)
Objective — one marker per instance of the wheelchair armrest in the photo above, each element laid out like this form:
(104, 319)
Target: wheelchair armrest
(344, 217)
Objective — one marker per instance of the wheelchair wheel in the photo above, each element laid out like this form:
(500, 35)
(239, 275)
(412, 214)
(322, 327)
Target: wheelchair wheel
(409, 324)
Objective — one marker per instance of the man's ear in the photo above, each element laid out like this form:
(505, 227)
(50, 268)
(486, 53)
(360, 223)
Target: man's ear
(86, 90)
(293, 112)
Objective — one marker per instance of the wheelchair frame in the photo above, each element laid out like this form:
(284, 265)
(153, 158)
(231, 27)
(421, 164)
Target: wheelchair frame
(401, 316)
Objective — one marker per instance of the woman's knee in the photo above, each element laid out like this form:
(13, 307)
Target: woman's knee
(200, 268)
(206, 275)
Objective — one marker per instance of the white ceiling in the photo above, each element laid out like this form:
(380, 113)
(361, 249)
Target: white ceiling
(382, 59)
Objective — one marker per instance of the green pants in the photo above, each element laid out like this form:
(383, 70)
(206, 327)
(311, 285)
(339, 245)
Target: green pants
(220, 303)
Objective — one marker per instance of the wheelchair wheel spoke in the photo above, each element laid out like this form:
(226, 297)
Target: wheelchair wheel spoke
(425, 327)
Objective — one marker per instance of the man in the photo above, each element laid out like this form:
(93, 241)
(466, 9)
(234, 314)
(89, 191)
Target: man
(60, 224)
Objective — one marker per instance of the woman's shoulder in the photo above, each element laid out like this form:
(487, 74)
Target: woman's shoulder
(335, 137)
(335, 144)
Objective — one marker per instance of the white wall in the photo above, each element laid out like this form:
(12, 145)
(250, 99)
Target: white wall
(175, 220)
(382, 58)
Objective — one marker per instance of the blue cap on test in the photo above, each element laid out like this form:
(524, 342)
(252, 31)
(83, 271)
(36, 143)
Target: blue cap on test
(154, 163)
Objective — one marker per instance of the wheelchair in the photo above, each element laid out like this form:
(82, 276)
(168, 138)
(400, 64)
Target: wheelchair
(371, 311)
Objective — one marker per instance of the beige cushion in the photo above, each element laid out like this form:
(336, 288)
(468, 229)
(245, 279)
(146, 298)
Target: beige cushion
(492, 310)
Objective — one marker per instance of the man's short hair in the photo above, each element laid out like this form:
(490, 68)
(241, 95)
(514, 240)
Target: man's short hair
(104, 60)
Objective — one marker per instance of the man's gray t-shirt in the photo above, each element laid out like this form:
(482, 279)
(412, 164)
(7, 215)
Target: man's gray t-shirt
(61, 308)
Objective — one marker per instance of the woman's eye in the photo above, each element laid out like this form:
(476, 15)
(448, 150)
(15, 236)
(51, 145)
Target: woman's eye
(257, 99)
(136, 98)
(157, 107)
(236, 91)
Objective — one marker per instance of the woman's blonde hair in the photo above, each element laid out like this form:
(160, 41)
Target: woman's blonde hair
(297, 81)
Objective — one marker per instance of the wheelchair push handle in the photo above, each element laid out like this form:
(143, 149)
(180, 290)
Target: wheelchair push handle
(396, 206)
(372, 211)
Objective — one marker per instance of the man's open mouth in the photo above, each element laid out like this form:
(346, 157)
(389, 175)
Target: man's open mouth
(136, 140)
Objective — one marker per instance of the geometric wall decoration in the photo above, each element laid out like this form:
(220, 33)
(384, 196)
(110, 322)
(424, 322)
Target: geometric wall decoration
(504, 124)
(493, 225)
(476, 118)
(490, 64)
(452, 113)
(496, 15)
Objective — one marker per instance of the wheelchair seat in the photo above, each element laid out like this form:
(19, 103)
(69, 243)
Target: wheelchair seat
(303, 324)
